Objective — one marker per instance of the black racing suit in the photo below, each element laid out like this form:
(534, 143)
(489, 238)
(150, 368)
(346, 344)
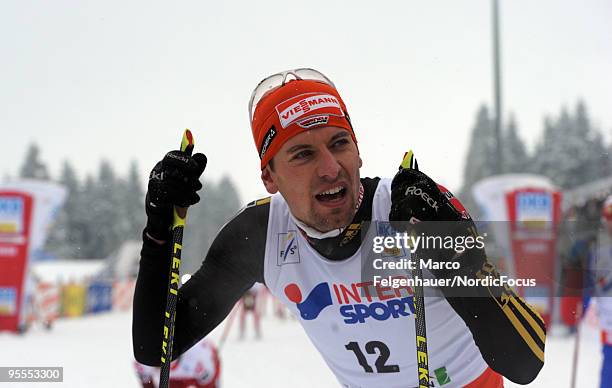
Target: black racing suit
(235, 261)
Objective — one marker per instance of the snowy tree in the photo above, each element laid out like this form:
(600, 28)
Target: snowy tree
(32, 166)
(571, 152)
(99, 214)
(106, 224)
(105, 210)
(218, 204)
(597, 164)
(481, 156)
(132, 203)
(546, 151)
(231, 201)
(516, 158)
(65, 235)
(82, 218)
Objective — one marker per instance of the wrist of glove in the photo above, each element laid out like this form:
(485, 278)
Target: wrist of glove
(424, 209)
(174, 181)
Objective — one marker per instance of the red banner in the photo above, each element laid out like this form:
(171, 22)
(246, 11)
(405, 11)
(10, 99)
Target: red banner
(534, 214)
(15, 223)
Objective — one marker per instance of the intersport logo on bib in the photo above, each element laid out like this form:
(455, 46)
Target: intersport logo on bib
(306, 105)
(358, 302)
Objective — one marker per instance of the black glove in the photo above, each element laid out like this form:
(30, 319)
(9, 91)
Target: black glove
(416, 197)
(421, 207)
(173, 181)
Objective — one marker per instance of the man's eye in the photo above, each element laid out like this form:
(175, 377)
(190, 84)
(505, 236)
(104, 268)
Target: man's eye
(340, 143)
(301, 155)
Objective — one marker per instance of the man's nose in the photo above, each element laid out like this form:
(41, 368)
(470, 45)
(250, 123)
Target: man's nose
(328, 167)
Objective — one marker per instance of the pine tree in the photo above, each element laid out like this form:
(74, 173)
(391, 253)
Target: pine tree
(231, 201)
(516, 159)
(84, 221)
(481, 158)
(571, 152)
(218, 204)
(65, 236)
(598, 160)
(32, 166)
(546, 150)
(99, 215)
(132, 203)
(107, 227)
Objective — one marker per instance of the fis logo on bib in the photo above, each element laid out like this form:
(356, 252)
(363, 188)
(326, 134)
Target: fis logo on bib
(358, 302)
(384, 228)
(288, 249)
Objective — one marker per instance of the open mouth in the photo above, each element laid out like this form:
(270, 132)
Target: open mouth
(333, 194)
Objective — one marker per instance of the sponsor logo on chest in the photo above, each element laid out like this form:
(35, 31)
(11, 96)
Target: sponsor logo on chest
(358, 302)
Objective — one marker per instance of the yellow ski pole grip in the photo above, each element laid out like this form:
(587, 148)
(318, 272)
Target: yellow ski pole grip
(409, 161)
(180, 213)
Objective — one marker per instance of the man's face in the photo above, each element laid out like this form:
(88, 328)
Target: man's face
(317, 172)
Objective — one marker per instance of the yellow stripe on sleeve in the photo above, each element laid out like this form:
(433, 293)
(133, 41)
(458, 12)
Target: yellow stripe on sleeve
(539, 352)
(529, 318)
(262, 201)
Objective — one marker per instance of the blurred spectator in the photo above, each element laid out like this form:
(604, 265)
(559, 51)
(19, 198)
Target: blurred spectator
(599, 288)
(577, 239)
(278, 308)
(248, 306)
(198, 367)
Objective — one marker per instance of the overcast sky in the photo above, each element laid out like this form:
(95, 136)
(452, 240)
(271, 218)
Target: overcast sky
(120, 80)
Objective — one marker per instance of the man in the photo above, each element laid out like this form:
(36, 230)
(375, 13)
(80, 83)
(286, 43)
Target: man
(600, 289)
(250, 301)
(304, 243)
(198, 367)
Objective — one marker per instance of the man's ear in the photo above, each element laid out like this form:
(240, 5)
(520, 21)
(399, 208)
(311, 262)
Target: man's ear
(268, 181)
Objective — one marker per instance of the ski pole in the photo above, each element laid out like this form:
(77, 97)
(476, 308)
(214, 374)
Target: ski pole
(178, 227)
(576, 346)
(409, 162)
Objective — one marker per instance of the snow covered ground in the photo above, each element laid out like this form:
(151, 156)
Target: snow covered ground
(96, 351)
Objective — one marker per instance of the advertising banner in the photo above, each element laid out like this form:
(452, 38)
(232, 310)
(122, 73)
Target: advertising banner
(534, 215)
(15, 227)
(523, 211)
(123, 294)
(99, 296)
(73, 300)
(48, 198)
